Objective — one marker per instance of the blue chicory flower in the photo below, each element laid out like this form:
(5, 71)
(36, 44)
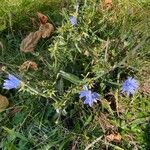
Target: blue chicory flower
(130, 86)
(11, 83)
(90, 97)
(73, 20)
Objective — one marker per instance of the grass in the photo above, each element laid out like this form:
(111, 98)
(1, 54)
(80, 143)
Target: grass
(104, 48)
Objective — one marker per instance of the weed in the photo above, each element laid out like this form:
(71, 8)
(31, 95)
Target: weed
(101, 50)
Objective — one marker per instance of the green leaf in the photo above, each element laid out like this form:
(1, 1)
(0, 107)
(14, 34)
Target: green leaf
(18, 118)
(70, 77)
(89, 119)
(106, 105)
(15, 134)
(49, 145)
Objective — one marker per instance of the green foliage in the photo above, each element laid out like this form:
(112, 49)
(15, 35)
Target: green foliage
(101, 51)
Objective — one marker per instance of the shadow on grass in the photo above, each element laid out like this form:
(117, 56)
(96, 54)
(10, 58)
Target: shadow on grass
(147, 136)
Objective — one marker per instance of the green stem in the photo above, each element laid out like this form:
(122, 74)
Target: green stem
(35, 91)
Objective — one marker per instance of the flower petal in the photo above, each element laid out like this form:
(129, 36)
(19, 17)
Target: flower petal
(130, 86)
(11, 83)
(90, 97)
(83, 94)
(73, 20)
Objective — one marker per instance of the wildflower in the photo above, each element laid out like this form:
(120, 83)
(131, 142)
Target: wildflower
(130, 86)
(90, 97)
(73, 20)
(11, 83)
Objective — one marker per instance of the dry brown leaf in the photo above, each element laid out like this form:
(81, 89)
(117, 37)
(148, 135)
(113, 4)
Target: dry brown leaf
(29, 43)
(43, 18)
(28, 64)
(108, 4)
(3, 103)
(46, 29)
(114, 137)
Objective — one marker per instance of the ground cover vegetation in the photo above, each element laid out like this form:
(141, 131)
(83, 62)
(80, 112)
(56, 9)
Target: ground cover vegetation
(84, 83)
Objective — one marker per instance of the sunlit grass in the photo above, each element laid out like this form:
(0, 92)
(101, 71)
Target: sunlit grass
(104, 49)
